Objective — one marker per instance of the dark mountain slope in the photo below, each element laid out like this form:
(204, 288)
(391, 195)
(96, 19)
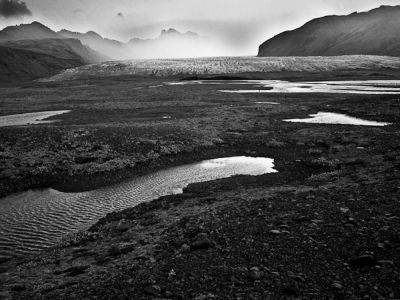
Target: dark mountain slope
(112, 48)
(62, 48)
(24, 65)
(31, 51)
(374, 33)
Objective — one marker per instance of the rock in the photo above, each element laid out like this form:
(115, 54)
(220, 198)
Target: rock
(386, 263)
(363, 261)
(275, 232)
(73, 271)
(153, 290)
(123, 226)
(298, 278)
(381, 245)
(47, 287)
(200, 244)
(255, 273)
(337, 285)
(185, 248)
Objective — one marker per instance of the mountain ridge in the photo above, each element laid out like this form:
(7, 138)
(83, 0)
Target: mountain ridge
(31, 51)
(374, 32)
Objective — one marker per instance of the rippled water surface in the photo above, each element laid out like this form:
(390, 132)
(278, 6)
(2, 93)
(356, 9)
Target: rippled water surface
(30, 118)
(35, 220)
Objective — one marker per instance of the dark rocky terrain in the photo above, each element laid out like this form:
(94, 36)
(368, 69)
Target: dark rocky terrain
(325, 227)
(367, 33)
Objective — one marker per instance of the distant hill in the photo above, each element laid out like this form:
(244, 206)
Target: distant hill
(171, 44)
(112, 48)
(375, 32)
(23, 65)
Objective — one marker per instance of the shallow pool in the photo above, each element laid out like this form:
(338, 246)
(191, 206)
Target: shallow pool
(334, 118)
(372, 87)
(30, 118)
(35, 220)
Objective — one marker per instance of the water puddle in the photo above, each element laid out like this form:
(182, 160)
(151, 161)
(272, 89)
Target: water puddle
(333, 118)
(30, 118)
(363, 87)
(35, 220)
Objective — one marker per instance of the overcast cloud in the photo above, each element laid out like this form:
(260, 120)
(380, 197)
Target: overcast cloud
(13, 9)
(241, 24)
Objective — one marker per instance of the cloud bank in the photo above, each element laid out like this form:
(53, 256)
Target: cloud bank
(13, 9)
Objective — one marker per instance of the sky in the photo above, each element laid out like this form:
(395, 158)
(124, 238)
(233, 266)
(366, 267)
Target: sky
(240, 25)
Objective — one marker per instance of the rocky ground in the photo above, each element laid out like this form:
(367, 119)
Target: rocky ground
(327, 226)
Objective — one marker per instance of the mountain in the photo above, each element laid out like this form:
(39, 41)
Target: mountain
(23, 65)
(62, 48)
(171, 44)
(112, 48)
(30, 51)
(375, 32)
(33, 31)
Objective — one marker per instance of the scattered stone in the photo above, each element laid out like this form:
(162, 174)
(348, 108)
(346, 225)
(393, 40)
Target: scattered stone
(200, 245)
(298, 278)
(153, 290)
(73, 271)
(337, 285)
(275, 232)
(255, 273)
(185, 248)
(386, 263)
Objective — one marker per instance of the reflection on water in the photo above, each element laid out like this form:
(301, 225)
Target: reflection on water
(333, 118)
(30, 118)
(272, 103)
(374, 87)
(35, 220)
